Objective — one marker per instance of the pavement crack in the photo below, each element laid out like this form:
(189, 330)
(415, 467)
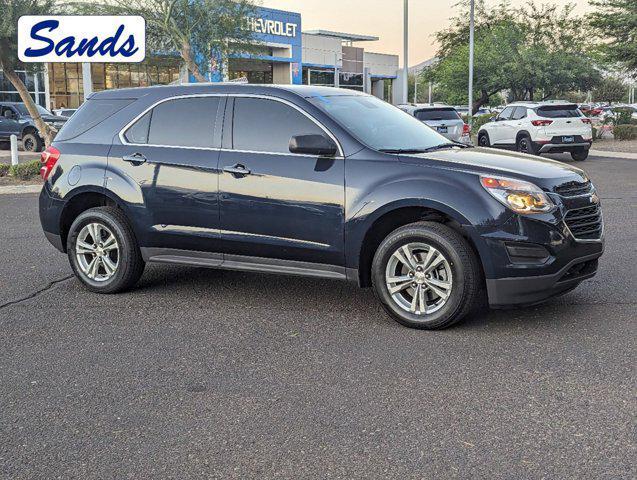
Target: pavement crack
(47, 287)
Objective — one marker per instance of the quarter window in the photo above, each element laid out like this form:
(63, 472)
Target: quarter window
(263, 125)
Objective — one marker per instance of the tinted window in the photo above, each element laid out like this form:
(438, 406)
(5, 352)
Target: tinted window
(264, 125)
(378, 124)
(437, 114)
(91, 113)
(138, 132)
(506, 113)
(558, 111)
(22, 108)
(519, 113)
(184, 122)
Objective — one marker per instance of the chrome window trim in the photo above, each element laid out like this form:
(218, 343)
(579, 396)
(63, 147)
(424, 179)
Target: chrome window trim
(123, 140)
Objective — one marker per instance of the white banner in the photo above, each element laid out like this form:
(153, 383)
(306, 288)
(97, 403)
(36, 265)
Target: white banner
(81, 38)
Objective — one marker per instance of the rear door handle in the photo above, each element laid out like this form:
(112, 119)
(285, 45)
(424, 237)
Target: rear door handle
(135, 158)
(237, 169)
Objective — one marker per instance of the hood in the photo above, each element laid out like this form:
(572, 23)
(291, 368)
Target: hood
(543, 172)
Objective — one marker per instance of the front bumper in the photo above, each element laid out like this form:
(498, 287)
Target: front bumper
(504, 292)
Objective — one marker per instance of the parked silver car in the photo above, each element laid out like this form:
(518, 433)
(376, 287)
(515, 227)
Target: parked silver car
(441, 117)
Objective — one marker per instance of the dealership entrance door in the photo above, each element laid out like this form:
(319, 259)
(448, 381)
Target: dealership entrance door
(259, 71)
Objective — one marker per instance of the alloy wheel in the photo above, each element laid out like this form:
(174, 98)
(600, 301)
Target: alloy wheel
(28, 144)
(97, 252)
(418, 278)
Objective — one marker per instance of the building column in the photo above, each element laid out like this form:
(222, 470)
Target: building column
(47, 87)
(87, 80)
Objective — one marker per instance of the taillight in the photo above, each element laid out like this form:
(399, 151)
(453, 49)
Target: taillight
(466, 129)
(48, 159)
(541, 123)
(586, 120)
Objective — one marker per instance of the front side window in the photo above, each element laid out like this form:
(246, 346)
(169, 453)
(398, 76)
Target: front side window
(263, 125)
(506, 113)
(377, 124)
(519, 113)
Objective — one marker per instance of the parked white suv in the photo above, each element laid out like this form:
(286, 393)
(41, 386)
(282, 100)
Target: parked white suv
(540, 127)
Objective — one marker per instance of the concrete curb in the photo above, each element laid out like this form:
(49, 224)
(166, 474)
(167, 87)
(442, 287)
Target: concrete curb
(622, 155)
(13, 189)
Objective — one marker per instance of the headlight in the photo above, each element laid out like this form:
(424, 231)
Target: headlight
(520, 196)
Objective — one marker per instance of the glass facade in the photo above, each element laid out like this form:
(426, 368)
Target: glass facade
(255, 71)
(67, 90)
(33, 82)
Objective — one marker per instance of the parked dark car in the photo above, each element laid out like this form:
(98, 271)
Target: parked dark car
(313, 181)
(15, 120)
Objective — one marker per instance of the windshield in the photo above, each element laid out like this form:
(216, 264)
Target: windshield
(378, 124)
(22, 109)
(437, 114)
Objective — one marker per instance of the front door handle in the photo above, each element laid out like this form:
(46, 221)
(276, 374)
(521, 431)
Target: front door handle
(135, 158)
(237, 169)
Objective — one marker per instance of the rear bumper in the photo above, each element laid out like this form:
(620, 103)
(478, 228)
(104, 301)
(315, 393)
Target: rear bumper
(562, 147)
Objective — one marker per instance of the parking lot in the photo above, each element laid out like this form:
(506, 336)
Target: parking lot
(209, 373)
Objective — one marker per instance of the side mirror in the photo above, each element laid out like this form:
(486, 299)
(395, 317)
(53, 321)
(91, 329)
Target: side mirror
(313, 145)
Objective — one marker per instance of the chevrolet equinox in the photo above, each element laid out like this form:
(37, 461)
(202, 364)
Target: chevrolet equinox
(313, 181)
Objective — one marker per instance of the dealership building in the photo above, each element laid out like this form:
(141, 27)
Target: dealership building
(287, 55)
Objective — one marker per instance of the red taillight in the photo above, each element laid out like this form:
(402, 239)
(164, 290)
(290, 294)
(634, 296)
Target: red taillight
(48, 159)
(541, 123)
(586, 120)
(466, 129)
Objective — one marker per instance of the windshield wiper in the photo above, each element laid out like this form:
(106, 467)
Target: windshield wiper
(447, 145)
(403, 150)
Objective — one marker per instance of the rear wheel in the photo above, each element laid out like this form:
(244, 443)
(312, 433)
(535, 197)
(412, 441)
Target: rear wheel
(31, 142)
(483, 139)
(426, 276)
(580, 154)
(525, 145)
(103, 251)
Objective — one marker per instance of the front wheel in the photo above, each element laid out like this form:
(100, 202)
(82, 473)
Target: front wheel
(426, 276)
(579, 155)
(103, 251)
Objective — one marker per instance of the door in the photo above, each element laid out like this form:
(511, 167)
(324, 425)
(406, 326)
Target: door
(172, 153)
(499, 129)
(275, 204)
(514, 125)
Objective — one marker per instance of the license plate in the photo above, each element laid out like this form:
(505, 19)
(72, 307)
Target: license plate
(568, 139)
(442, 129)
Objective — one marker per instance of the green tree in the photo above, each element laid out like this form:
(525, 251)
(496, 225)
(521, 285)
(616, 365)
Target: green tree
(614, 23)
(611, 89)
(11, 11)
(190, 27)
(532, 51)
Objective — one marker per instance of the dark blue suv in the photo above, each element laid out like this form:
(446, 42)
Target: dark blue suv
(313, 181)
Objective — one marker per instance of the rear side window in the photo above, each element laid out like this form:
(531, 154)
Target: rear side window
(519, 113)
(262, 125)
(437, 114)
(91, 113)
(183, 122)
(558, 111)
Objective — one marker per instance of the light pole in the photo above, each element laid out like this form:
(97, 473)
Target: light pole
(405, 44)
(471, 28)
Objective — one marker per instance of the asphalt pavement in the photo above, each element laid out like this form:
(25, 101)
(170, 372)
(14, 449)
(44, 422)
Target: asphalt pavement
(201, 373)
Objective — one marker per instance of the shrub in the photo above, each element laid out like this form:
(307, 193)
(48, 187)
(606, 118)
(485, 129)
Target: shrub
(481, 120)
(25, 171)
(4, 169)
(625, 132)
(622, 116)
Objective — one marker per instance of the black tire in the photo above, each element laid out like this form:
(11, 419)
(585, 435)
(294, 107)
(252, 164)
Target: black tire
(524, 144)
(579, 155)
(467, 287)
(31, 142)
(130, 264)
(483, 139)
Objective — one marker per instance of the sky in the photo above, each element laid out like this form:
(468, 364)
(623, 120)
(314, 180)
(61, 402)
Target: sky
(384, 19)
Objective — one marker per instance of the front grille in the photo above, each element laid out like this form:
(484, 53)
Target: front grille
(585, 223)
(574, 189)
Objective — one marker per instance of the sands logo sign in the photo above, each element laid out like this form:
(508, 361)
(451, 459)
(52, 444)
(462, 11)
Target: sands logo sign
(81, 38)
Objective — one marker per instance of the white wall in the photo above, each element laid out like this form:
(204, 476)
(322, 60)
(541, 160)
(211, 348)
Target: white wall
(321, 50)
(381, 63)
